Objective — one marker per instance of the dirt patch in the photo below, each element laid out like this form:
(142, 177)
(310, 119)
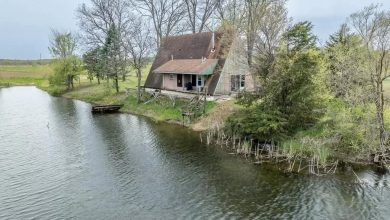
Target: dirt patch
(218, 115)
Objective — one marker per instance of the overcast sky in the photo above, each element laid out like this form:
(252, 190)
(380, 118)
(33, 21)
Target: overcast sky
(25, 24)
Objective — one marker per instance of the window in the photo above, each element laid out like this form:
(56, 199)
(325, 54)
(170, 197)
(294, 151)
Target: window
(242, 81)
(200, 81)
(237, 82)
(171, 76)
(179, 80)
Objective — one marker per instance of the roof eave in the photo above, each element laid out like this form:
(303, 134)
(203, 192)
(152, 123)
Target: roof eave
(188, 73)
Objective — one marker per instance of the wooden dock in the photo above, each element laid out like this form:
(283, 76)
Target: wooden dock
(106, 108)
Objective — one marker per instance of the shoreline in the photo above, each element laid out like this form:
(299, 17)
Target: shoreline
(346, 165)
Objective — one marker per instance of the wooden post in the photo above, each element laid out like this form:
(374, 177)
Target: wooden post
(205, 99)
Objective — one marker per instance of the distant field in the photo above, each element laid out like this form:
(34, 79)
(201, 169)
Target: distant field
(16, 71)
(4, 62)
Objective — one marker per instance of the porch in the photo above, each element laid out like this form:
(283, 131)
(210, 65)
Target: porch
(189, 83)
(187, 75)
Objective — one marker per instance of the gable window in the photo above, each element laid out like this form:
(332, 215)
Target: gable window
(242, 81)
(237, 82)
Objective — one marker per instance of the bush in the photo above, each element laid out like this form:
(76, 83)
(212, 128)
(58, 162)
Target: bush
(258, 123)
(344, 131)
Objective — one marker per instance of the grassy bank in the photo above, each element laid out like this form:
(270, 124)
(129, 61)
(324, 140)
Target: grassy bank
(161, 109)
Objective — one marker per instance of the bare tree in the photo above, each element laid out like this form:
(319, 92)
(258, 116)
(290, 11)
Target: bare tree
(62, 45)
(373, 26)
(199, 13)
(230, 11)
(139, 45)
(96, 19)
(166, 16)
(270, 30)
(255, 11)
(263, 23)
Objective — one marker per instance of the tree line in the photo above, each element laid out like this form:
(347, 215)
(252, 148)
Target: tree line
(331, 96)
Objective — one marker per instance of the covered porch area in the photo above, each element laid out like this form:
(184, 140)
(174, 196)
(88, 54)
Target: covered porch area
(190, 76)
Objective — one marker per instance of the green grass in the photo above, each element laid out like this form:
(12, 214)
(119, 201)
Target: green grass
(161, 109)
(24, 81)
(25, 71)
(13, 75)
(24, 62)
(344, 133)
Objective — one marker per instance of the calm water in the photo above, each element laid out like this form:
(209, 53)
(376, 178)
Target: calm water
(57, 161)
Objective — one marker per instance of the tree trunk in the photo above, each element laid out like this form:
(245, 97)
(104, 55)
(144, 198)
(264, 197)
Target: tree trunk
(380, 116)
(250, 45)
(139, 85)
(98, 79)
(116, 83)
(68, 82)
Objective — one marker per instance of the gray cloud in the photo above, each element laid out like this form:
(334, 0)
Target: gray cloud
(25, 24)
(328, 15)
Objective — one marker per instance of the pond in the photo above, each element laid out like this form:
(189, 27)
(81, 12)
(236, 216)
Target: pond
(58, 161)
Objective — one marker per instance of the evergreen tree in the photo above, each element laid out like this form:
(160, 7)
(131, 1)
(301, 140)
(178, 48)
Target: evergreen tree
(92, 61)
(113, 62)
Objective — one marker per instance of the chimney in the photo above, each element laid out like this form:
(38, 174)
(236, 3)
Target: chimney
(213, 43)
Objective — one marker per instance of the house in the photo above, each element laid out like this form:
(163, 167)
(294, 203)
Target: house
(195, 62)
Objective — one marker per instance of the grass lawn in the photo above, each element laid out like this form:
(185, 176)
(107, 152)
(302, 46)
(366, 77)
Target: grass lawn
(162, 109)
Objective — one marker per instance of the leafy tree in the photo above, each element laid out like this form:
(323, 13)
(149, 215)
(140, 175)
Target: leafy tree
(67, 64)
(347, 67)
(66, 71)
(373, 26)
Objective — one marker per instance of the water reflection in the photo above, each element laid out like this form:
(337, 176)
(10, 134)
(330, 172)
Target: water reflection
(57, 160)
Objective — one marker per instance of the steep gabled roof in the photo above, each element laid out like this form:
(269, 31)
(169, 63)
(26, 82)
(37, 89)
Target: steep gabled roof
(189, 46)
(188, 66)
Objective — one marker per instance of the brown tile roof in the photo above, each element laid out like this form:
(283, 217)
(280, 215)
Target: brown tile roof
(188, 46)
(188, 66)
